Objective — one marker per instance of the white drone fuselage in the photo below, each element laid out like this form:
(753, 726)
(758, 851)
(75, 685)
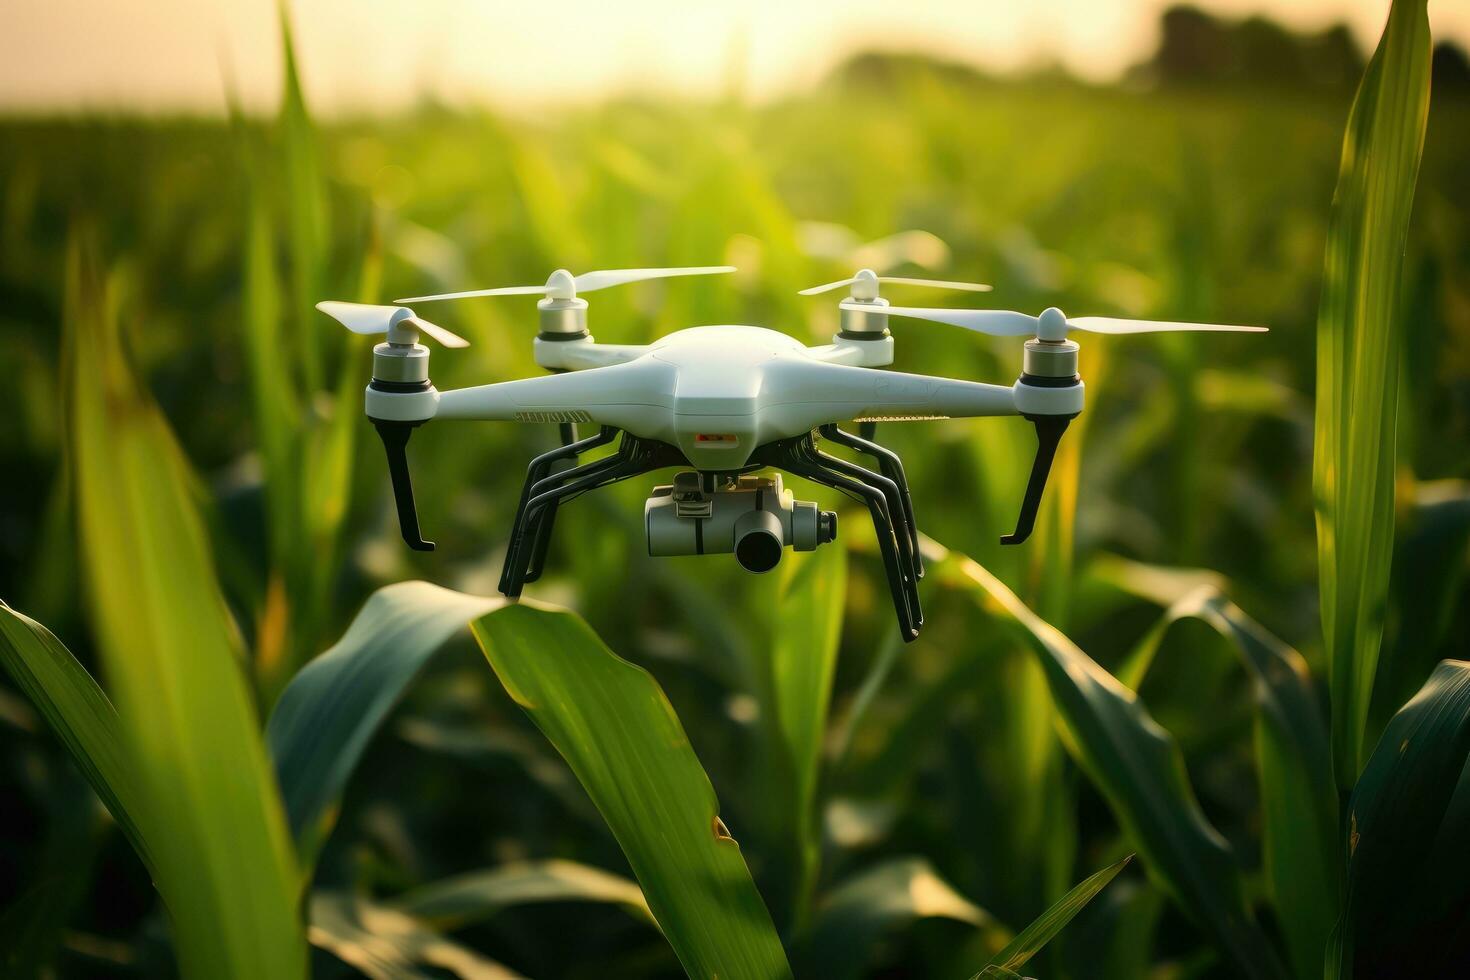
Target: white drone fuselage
(719, 392)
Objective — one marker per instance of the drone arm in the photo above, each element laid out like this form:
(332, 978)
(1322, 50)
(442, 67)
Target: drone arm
(862, 393)
(877, 352)
(583, 353)
(613, 395)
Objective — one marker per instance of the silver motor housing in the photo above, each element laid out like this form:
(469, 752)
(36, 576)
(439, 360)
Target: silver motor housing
(753, 517)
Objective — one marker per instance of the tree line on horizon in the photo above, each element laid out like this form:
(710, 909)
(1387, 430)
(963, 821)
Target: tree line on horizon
(1197, 48)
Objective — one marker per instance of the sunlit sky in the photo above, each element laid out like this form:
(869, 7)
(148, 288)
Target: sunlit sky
(383, 54)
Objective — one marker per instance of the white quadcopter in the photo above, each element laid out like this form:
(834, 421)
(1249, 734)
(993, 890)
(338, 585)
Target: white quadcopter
(726, 401)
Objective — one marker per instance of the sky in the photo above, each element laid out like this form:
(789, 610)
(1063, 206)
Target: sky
(366, 55)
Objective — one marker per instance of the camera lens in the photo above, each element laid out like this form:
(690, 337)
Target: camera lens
(758, 541)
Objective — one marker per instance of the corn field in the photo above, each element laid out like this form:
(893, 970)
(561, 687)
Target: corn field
(1212, 721)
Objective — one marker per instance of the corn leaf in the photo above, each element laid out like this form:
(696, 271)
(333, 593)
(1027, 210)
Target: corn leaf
(386, 944)
(215, 827)
(1137, 767)
(803, 656)
(1408, 879)
(1359, 339)
(473, 897)
(1031, 939)
(1431, 558)
(612, 723)
(324, 719)
(857, 913)
(1298, 798)
(274, 399)
(81, 716)
(306, 208)
(306, 442)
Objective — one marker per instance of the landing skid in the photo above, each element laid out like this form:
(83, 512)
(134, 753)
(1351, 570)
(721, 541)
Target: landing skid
(885, 493)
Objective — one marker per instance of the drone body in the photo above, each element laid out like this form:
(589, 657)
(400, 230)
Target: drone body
(725, 402)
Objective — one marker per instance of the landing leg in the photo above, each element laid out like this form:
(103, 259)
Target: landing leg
(890, 466)
(634, 457)
(902, 530)
(799, 456)
(537, 477)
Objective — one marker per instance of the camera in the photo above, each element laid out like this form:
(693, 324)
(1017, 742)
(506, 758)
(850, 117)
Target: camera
(752, 517)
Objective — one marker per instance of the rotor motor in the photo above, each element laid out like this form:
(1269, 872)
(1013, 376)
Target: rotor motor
(752, 517)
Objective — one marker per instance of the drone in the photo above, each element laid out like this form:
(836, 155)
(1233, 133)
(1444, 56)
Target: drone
(735, 406)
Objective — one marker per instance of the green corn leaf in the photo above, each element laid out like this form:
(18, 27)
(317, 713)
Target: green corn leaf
(306, 208)
(1298, 798)
(1359, 338)
(274, 399)
(385, 944)
(1408, 879)
(857, 913)
(80, 714)
(473, 897)
(1030, 940)
(306, 442)
(1137, 767)
(326, 716)
(803, 657)
(1431, 558)
(215, 827)
(612, 723)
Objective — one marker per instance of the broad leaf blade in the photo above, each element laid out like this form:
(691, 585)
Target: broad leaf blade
(1408, 888)
(611, 722)
(306, 207)
(1298, 798)
(1359, 339)
(803, 657)
(1031, 939)
(172, 658)
(473, 897)
(326, 716)
(1138, 767)
(78, 711)
(1431, 558)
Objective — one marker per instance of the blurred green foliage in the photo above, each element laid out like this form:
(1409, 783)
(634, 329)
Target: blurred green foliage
(946, 812)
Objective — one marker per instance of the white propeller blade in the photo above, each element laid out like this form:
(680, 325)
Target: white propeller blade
(1006, 323)
(602, 279)
(970, 287)
(585, 283)
(443, 336)
(363, 317)
(366, 318)
(501, 291)
(997, 323)
(1112, 324)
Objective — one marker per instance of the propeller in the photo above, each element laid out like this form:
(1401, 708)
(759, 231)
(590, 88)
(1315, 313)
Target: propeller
(1052, 324)
(867, 282)
(395, 321)
(563, 285)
